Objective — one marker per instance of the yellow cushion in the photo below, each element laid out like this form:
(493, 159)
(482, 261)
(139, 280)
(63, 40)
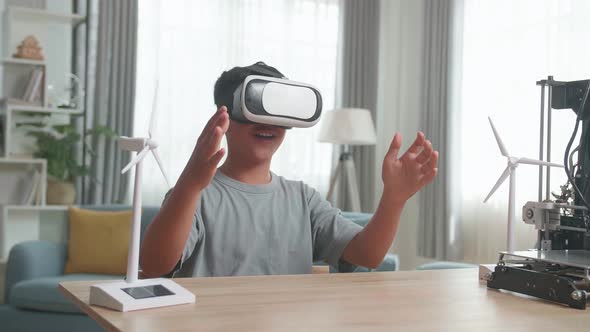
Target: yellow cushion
(98, 241)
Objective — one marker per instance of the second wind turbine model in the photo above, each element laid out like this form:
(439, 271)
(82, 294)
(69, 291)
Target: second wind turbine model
(510, 171)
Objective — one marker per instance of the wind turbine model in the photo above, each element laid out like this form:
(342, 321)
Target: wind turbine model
(134, 294)
(510, 170)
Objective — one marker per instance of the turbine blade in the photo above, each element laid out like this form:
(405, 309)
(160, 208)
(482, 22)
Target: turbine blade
(159, 161)
(498, 183)
(498, 139)
(154, 108)
(138, 158)
(537, 162)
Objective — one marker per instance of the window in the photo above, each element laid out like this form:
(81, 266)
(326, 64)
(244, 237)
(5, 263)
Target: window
(187, 44)
(507, 47)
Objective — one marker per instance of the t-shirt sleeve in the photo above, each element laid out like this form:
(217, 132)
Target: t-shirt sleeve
(331, 232)
(193, 237)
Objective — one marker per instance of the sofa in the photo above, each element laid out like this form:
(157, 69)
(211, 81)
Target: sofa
(445, 265)
(35, 268)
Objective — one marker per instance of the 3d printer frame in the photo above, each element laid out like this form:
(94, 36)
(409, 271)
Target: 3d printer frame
(559, 269)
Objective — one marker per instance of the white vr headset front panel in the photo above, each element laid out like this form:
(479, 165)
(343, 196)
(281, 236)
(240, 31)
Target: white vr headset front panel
(275, 101)
(279, 99)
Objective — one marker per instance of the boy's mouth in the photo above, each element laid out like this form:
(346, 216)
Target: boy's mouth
(266, 133)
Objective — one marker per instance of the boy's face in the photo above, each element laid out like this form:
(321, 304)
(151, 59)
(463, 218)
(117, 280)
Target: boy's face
(254, 142)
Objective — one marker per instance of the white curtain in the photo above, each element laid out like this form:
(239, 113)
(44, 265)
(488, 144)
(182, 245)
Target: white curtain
(186, 44)
(508, 46)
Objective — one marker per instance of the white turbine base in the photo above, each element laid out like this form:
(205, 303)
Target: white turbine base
(112, 295)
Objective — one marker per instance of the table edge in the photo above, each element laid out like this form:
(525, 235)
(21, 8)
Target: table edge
(88, 310)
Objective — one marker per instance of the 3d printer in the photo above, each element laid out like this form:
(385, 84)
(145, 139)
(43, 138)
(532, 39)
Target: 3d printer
(558, 269)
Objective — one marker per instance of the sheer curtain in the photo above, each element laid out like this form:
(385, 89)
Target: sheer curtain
(186, 44)
(508, 46)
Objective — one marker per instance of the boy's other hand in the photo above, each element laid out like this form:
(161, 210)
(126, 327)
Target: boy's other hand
(207, 154)
(403, 177)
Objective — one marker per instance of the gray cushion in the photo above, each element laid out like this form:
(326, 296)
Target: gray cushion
(43, 293)
(359, 218)
(443, 265)
(390, 263)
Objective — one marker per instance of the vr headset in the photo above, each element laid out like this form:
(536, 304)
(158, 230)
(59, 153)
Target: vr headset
(276, 101)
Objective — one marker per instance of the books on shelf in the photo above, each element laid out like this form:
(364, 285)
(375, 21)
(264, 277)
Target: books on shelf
(32, 92)
(39, 191)
(32, 194)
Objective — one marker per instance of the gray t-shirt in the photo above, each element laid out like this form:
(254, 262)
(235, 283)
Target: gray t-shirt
(277, 228)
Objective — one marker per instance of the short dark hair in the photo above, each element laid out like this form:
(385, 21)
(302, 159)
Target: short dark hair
(227, 83)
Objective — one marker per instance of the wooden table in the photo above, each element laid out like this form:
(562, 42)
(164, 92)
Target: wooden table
(388, 301)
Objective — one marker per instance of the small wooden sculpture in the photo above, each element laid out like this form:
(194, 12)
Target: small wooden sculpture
(29, 49)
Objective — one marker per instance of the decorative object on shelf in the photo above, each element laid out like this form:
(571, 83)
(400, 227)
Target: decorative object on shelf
(60, 192)
(29, 49)
(71, 96)
(57, 145)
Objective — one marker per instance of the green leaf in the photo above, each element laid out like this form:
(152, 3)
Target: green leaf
(102, 130)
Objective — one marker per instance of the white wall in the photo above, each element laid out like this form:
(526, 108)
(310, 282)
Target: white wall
(399, 104)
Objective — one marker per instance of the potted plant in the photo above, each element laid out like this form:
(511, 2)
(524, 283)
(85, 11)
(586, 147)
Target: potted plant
(57, 144)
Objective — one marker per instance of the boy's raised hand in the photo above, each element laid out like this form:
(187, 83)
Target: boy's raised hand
(403, 177)
(207, 154)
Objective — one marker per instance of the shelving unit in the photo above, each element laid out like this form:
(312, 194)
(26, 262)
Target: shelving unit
(25, 223)
(16, 73)
(20, 222)
(21, 161)
(37, 207)
(54, 31)
(45, 16)
(17, 61)
(40, 109)
(15, 176)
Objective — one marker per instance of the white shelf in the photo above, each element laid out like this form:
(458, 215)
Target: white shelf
(53, 28)
(21, 161)
(37, 207)
(18, 61)
(40, 15)
(40, 109)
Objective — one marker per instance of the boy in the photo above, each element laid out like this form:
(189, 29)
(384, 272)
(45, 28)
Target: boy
(242, 219)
